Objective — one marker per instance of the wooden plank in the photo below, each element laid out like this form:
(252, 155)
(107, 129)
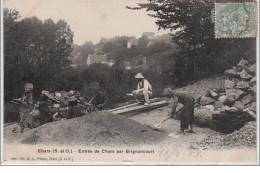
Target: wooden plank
(123, 107)
(140, 108)
(134, 104)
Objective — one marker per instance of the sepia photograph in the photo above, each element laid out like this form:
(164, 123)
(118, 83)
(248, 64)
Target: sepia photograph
(129, 82)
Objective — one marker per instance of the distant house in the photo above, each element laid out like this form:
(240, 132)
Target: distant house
(92, 59)
(132, 41)
(149, 35)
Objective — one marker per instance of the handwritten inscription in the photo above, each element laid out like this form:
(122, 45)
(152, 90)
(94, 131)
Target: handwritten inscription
(169, 153)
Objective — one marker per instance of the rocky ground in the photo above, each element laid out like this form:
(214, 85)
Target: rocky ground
(242, 138)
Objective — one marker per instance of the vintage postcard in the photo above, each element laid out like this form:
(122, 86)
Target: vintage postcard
(129, 82)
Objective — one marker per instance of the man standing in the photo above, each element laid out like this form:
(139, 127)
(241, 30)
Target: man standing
(144, 89)
(187, 114)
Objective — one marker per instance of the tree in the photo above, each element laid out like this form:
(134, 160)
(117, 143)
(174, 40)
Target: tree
(199, 54)
(35, 51)
(86, 49)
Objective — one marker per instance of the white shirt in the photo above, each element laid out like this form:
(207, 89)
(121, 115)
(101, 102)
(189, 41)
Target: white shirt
(146, 85)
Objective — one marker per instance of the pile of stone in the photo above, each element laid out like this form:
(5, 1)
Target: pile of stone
(228, 108)
(61, 100)
(244, 137)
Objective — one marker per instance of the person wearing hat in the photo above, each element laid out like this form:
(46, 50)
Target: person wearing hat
(26, 106)
(144, 89)
(187, 114)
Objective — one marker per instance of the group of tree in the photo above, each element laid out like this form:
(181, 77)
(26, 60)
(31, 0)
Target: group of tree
(116, 49)
(38, 52)
(199, 54)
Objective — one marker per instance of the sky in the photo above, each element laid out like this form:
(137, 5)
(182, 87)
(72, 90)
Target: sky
(90, 19)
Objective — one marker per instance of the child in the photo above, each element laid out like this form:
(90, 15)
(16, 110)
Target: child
(26, 105)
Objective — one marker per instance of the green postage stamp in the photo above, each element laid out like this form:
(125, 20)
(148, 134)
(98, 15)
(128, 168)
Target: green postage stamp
(236, 20)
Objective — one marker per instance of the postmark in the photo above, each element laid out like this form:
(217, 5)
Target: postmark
(236, 20)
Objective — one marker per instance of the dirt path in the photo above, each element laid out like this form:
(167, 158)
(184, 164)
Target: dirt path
(171, 128)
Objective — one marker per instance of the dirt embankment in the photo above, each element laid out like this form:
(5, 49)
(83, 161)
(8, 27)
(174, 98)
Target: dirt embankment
(96, 129)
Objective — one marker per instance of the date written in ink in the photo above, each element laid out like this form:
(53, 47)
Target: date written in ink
(168, 153)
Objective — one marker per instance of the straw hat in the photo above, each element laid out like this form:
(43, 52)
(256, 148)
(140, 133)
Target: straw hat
(139, 76)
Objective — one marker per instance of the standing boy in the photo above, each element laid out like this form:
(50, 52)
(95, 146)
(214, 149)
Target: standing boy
(26, 106)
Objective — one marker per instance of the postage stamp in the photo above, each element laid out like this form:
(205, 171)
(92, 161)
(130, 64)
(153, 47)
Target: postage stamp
(235, 20)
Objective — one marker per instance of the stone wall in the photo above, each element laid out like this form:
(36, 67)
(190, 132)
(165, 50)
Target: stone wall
(228, 109)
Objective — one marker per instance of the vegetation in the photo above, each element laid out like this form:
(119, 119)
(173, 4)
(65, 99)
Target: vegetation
(199, 54)
(38, 52)
(41, 52)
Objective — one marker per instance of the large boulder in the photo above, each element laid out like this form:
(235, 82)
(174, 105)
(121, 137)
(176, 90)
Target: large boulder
(224, 108)
(213, 94)
(232, 72)
(232, 110)
(253, 81)
(232, 92)
(222, 99)
(218, 104)
(230, 84)
(243, 63)
(247, 99)
(206, 100)
(251, 113)
(253, 107)
(252, 90)
(64, 94)
(239, 94)
(243, 85)
(202, 117)
(252, 69)
(244, 75)
(210, 107)
(230, 100)
(239, 105)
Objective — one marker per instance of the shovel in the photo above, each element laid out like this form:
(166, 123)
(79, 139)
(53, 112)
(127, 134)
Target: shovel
(159, 125)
